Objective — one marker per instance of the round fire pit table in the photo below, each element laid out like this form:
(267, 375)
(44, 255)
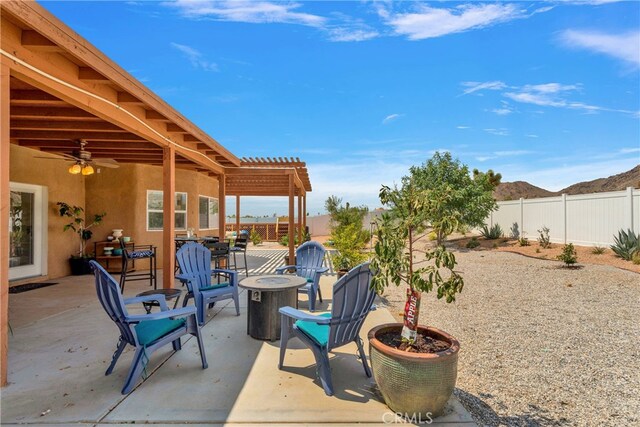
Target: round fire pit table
(266, 295)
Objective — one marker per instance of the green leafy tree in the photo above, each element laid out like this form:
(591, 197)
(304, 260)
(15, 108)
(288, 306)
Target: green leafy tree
(78, 223)
(464, 199)
(411, 208)
(347, 232)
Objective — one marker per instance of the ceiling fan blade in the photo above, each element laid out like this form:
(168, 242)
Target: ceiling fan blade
(60, 156)
(53, 158)
(107, 163)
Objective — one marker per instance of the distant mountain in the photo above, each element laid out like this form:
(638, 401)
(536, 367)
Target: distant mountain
(517, 189)
(613, 183)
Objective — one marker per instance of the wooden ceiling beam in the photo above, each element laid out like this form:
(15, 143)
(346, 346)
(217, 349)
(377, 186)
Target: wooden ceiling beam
(35, 41)
(73, 125)
(92, 146)
(51, 113)
(154, 115)
(190, 138)
(172, 127)
(71, 135)
(88, 74)
(127, 98)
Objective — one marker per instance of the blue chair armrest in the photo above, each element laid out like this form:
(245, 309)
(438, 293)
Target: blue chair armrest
(149, 298)
(223, 271)
(322, 270)
(185, 277)
(178, 312)
(301, 315)
(281, 270)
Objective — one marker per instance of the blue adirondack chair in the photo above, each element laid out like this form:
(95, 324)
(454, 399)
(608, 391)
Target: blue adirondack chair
(309, 258)
(196, 272)
(146, 332)
(352, 301)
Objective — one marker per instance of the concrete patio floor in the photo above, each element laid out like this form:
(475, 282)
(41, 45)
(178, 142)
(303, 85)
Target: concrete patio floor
(62, 343)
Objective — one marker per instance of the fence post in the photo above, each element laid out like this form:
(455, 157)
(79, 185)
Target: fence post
(630, 208)
(564, 218)
(521, 216)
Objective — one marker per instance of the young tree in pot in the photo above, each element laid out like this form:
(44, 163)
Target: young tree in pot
(79, 262)
(413, 381)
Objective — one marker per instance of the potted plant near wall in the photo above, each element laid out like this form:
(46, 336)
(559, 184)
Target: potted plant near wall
(79, 261)
(414, 366)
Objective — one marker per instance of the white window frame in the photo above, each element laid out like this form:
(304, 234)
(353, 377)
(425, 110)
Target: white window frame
(176, 211)
(215, 224)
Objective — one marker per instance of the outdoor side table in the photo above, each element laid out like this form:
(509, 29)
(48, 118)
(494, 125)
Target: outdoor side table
(266, 295)
(169, 294)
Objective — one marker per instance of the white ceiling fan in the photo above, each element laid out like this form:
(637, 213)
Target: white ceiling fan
(82, 161)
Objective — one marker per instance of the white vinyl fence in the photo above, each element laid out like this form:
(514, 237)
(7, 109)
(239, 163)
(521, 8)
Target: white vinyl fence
(584, 219)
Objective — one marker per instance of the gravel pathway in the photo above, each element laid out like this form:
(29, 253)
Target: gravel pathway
(542, 345)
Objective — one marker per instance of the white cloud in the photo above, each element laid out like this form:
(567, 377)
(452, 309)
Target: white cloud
(390, 118)
(346, 34)
(502, 111)
(248, 11)
(472, 87)
(428, 22)
(195, 57)
(629, 150)
(485, 158)
(512, 153)
(625, 47)
(463, 127)
(499, 132)
(531, 135)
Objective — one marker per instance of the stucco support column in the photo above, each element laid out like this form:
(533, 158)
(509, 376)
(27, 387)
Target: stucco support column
(238, 214)
(222, 209)
(291, 222)
(5, 96)
(168, 215)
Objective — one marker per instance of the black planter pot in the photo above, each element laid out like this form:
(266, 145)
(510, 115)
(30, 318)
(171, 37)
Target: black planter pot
(80, 266)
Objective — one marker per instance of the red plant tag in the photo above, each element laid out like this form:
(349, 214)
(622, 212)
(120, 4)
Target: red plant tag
(411, 312)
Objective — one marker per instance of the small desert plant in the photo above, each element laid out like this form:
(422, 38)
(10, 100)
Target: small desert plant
(523, 241)
(495, 232)
(598, 250)
(636, 258)
(473, 243)
(495, 245)
(432, 236)
(515, 231)
(255, 237)
(537, 250)
(568, 255)
(626, 244)
(544, 239)
(284, 241)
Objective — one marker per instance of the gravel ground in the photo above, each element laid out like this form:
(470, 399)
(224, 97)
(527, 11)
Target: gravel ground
(540, 344)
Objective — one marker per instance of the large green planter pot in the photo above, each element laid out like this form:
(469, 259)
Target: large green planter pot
(413, 384)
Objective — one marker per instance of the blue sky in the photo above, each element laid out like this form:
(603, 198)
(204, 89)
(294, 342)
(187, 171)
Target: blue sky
(547, 92)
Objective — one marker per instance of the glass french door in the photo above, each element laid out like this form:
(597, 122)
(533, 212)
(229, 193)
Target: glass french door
(27, 230)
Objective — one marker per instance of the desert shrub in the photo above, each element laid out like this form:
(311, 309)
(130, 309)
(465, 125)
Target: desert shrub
(495, 245)
(636, 258)
(255, 237)
(523, 241)
(284, 241)
(347, 241)
(544, 239)
(598, 250)
(432, 236)
(514, 231)
(495, 232)
(568, 255)
(626, 244)
(537, 250)
(473, 243)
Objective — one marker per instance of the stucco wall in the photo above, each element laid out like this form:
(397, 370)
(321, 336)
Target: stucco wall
(61, 187)
(122, 194)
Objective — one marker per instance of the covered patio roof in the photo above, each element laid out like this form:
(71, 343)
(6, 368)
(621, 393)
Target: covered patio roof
(57, 88)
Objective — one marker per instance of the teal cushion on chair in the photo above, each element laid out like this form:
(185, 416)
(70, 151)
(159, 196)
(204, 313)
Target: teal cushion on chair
(310, 280)
(149, 331)
(318, 333)
(217, 286)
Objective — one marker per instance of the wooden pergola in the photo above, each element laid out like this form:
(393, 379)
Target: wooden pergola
(272, 177)
(55, 88)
